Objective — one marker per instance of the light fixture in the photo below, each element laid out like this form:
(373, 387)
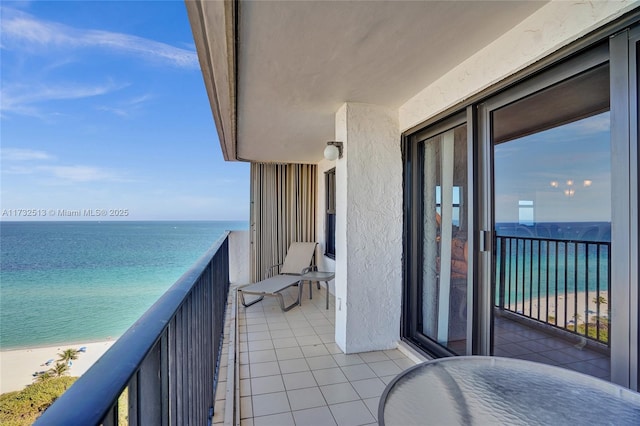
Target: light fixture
(333, 151)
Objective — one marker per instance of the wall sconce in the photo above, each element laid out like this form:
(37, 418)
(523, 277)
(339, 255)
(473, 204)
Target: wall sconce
(333, 151)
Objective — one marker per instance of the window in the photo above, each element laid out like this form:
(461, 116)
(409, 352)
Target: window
(330, 216)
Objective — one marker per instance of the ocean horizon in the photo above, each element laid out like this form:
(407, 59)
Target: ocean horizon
(80, 281)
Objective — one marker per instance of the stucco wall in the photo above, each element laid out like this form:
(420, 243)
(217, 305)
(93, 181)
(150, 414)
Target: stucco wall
(239, 257)
(553, 26)
(369, 207)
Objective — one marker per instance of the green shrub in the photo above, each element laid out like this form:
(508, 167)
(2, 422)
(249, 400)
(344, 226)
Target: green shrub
(592, 330)
(23, 407)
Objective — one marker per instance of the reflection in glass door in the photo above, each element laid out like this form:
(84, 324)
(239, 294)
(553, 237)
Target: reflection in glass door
(443, 308)
(552, 225)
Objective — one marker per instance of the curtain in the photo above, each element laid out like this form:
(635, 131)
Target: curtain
(283, 210)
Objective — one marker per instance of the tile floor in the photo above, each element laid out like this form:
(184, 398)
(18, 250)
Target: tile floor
(293, 373)
(515, 340)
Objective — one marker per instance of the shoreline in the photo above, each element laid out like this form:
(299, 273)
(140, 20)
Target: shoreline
(66, 344)
(18, 365)
(586, 310)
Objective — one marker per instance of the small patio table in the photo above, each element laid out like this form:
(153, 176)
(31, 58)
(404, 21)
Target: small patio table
(317, 276)
(476, 390)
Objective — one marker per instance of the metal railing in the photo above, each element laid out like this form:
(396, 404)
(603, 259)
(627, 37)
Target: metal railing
(167, 361)
(564, 284)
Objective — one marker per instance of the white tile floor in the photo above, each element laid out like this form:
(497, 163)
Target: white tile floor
(293, 373)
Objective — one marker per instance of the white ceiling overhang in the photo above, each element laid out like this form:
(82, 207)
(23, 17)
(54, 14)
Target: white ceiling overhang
(277, 71)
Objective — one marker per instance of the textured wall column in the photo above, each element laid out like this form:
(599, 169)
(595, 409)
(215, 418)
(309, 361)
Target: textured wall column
(368, 229)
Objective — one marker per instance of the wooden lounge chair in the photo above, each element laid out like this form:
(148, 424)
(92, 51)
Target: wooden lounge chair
(295, 264)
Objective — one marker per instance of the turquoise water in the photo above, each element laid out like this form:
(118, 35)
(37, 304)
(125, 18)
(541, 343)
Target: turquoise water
(553, 259)
(66, 282)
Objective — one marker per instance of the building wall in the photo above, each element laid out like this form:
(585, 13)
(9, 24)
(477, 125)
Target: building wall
(553, 26)
(368, 229)
(368, 285)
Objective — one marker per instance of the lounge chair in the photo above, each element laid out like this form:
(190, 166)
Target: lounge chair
(295, 264)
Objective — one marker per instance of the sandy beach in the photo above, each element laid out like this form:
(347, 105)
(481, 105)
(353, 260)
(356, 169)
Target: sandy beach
(585, 309)
(17, 366)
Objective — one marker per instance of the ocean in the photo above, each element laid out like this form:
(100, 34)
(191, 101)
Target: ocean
(549, 259)
(73, 282)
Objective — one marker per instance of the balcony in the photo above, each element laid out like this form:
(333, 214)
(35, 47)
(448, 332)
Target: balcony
(552, 302)
(291, 372)
(266, 366)
(270, 367)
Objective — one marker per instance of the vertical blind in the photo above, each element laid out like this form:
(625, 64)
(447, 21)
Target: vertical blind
(283, 210)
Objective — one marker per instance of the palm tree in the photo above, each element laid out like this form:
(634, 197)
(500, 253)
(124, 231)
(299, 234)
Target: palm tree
(59, 370)
(600, 300)
(68, 355)
(44, 376)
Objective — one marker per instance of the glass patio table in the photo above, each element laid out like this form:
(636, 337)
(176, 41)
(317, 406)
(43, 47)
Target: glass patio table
(475, 390)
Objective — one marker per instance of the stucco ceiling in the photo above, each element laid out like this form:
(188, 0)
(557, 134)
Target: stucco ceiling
(298, 62)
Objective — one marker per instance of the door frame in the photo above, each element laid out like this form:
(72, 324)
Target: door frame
(413, 233)
(623, 331)
(625, 356)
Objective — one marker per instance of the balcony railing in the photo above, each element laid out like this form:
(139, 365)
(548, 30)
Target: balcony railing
(564, 284)
(167, 361)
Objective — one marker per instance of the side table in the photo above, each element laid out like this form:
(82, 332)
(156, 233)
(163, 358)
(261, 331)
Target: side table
(317, 276)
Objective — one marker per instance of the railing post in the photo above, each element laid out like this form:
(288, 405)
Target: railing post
(164, 377)
(503, 259)
(132, 402)
(172, 394)
(151, 406)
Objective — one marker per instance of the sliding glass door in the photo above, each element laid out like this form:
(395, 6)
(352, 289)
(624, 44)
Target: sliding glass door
(552, 224)
(439, 300)
(521, 220)
(445, 249)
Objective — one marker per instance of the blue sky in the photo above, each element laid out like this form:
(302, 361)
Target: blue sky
(578, 152)
(103, 106)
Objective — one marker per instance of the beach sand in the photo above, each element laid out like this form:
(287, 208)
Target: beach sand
(17, 366)
(585, 309)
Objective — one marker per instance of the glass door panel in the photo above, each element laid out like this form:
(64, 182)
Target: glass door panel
(443, 308)
(552, 225)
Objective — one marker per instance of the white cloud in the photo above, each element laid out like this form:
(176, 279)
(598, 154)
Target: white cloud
(595, 124)
(21, 98)
(82, 173)
(21, 29)
(20, 154)
(116, 111)
(127, 107)
(20, 161)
